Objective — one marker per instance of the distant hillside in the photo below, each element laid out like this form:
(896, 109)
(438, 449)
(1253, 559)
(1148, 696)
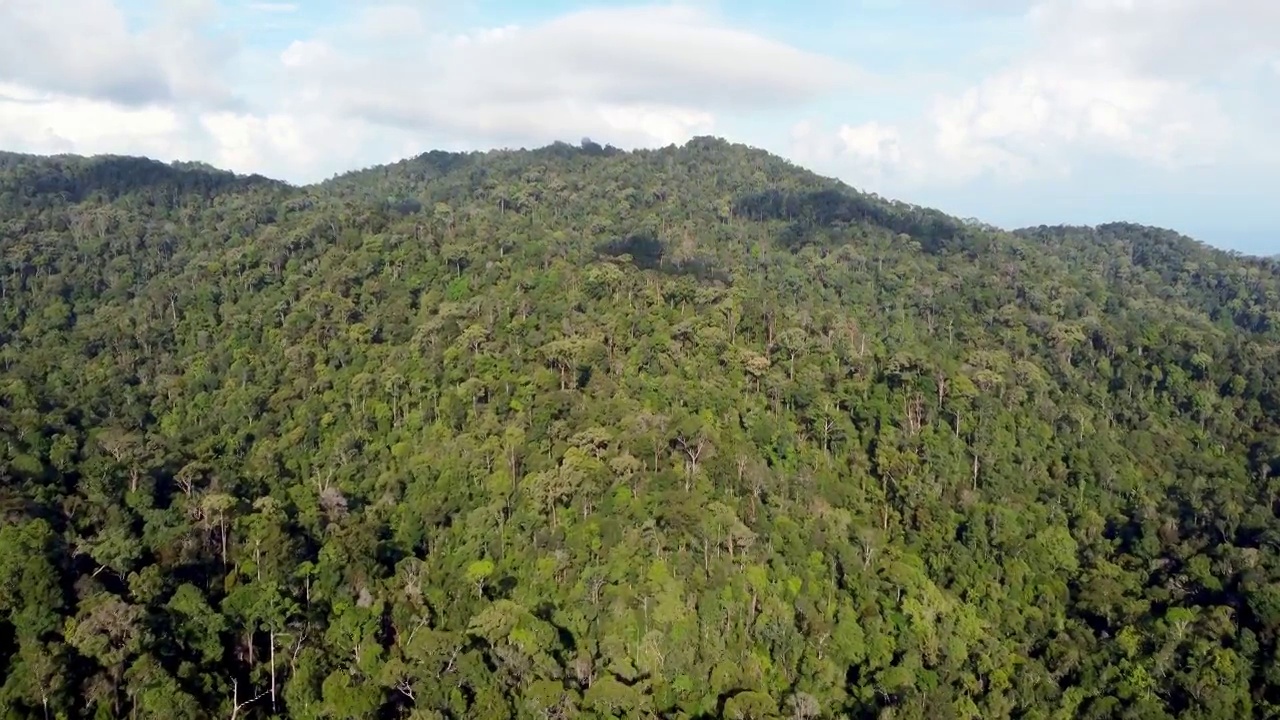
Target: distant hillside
(582, 433)
(107, 177)
(1227, 286)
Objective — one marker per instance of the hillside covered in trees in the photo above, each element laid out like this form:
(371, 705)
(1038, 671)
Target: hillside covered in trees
(583, 433)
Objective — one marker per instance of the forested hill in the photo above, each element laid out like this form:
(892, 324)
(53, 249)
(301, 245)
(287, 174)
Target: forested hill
(583, 433)
(1227, 286)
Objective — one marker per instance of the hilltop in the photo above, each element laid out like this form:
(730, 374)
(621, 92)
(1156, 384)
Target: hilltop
(577, 432)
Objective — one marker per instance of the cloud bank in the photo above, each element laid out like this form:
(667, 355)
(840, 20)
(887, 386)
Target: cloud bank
(1162, 83)
(383, 83)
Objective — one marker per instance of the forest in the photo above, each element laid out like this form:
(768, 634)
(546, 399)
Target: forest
(577, 432)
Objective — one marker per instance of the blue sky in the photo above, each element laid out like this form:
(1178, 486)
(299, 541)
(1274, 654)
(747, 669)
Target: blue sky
(1016, 112)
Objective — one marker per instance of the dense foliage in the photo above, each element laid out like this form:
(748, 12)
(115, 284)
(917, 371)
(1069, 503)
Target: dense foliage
(583, 433)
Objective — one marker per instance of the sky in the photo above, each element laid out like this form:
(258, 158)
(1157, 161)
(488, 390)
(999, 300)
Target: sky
(1015, 112)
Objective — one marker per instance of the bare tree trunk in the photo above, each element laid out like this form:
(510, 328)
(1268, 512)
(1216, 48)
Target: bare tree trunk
(272, 637)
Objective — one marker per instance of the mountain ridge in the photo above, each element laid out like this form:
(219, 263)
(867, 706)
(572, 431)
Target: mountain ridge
(439, 163)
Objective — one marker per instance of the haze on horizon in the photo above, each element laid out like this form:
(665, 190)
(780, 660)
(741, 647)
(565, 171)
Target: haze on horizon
(1016, 112)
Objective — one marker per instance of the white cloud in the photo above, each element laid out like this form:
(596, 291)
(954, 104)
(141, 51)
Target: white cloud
(1034, 117)
(630, 75)
(301, 53)
(292, 145)
(1184, 39)
(868, 154)
(1145, 80)
(81, 47)
(387, 81)
(46, 122)
(391, 22)
(86, 48)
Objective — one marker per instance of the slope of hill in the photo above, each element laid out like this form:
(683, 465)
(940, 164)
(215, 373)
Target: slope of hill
(1228, 287)
(574, 432)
